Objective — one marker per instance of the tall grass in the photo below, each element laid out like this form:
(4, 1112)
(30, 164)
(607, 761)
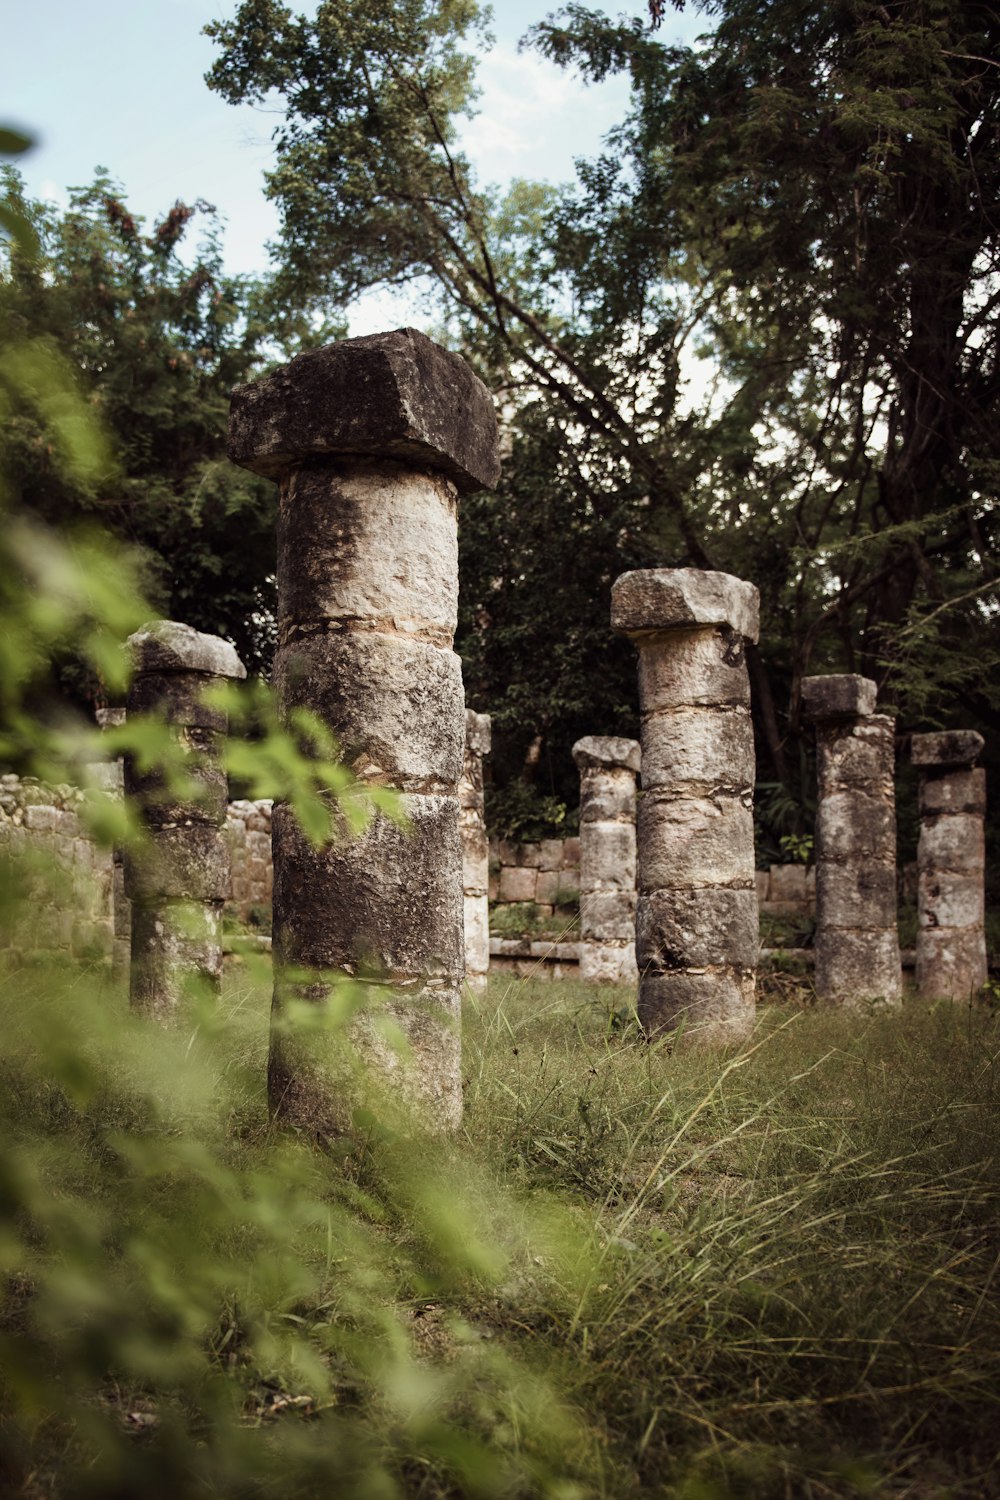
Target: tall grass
(770, 1273)
(793, 1288)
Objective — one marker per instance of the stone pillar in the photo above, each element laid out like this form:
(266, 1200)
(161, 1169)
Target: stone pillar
(857, 947)
(696, 919)
(109, 718)
(608, 767)
(178, 878)
(951, 864)
(475, 850)
(372, 440)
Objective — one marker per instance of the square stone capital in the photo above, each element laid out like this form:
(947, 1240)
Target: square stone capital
(478, 732)
(838, 695)
(678, 598)
(951, 749)
(169, 646)
(607, 752)
(388, 395)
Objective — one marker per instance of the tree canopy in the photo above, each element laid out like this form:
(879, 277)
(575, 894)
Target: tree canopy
(158, 336)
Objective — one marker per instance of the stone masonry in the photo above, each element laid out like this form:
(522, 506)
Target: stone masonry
(372, 441)
(857, 946)
(608, 767)
(696, 921)
(475, 849)
(178, 876)
(951, 858)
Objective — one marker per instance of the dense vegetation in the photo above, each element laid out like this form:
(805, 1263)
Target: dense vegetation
(809, 200)
(768, 1276)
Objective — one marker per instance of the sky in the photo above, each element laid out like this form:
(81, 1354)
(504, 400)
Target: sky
(120, 84)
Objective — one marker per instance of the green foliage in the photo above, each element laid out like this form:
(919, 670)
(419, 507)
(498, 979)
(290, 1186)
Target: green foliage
(120, 349)
(794, 1244)
(197, 1306)
(756, 334)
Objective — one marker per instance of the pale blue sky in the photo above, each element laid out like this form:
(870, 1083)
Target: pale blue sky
(119, 84)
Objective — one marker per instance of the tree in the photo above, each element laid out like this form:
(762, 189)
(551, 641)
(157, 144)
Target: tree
(158, 338)
(809, 198)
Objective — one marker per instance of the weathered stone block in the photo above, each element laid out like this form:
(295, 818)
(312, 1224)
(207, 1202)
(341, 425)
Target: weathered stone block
(316, 1081)
(787, 883)
(698, 747)
(387, 902)
(176, 950)
(393, 395)
(601, 963)
(715, 1007)
(860, 894)
(571, 853)
(333, 561)
(837, 695)
(517, 883)
(858, 968)
(395, 705)
(953, 843)
(167, 646)
(667, 598)
(201, 800)
(693, 840)
(850, 825)
(598, 752)
(694, 667)
(947, 750)
(952, 901)
(548, 885)
(608, 862)
(607, 797)
(178, 864)
(858, 755)
(551, 852)
(608, 916)
(679, 929)
(179, 696)
(951, 963)
(955, 792)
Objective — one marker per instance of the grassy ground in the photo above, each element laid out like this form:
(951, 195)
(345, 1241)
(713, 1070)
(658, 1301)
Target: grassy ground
(770, 1273)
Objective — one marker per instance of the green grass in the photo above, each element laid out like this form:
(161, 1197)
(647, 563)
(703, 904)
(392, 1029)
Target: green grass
(766, 1273)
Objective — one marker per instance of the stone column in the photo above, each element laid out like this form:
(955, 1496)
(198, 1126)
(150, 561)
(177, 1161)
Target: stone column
(475, 850)
(951, 865)
(696, 919)
(372, 440)
(857, 947)
(177, 879)
(608, 767)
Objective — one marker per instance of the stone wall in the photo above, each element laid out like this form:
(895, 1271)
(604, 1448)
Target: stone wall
(546, 874)
(787, 891)
(248, 834)
(77, 917)
(62, 897)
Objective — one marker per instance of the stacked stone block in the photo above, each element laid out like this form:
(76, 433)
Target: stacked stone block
(248, 834)
(177, 877)
(857, 946)
(696, 922)
(951, 861)
(371, 440)
(60, 892)
(475, 849)
(608, 767)
(545, 874)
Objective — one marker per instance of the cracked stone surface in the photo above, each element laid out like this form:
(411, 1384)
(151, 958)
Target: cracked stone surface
(372, 440)
(951, 865)
(608, 766)
(696, 920)
(857, 946)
